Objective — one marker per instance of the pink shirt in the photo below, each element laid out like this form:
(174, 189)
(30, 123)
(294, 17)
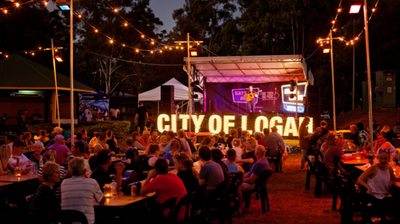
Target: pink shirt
(62, 152)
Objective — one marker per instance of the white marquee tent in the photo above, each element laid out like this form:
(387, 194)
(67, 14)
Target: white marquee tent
(180, 92)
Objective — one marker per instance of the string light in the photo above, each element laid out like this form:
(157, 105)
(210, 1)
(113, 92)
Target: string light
(152, 42)
(142, 35)
(40, 48)
(170, 48)
(123, 45)
(115, 10)
(166, 47)
(333, 21)
(137, 50)
(373, 9)
(17, 4)
(96, 30)
(334, 29)
(111, 41)
(177, 47)
(151, 52)
(79, 16)
(45, 3)
(33, 53)
(356, 38)
(125, 24)
(339, 9)
(181, 48)
(6, 55)
(5, 11)
(160, 51)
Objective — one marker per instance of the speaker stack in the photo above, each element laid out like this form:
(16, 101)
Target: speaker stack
(167, 104)
(313, 104)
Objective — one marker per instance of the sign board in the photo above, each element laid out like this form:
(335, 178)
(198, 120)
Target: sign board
(238, 95)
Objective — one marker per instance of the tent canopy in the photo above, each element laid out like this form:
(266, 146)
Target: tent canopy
(180, 92)
(250, 69)
(18, 72)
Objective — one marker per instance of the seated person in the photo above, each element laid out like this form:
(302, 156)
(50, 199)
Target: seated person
(100, 173)
(211, 172)
(166, 185)
(18, 159)
(217, 156)
(145, 138)
(136, 142)
(184, 142)
(175, 147)
(235, 168)
(44, 202)
(148, 162)
(188, 175)
(233, 135)
(4, 156)
(131, 155)
(93, 141)
(249, 156)
(36, 157)
(77, 192)
(382, 140)
(258, 136)
(78, 150)
(312, 143)
(333, 156)
(61, 149)
(378, 179)
(256, 170)
(101, 143)
(221, 138)
(396, 129)
(236, 142)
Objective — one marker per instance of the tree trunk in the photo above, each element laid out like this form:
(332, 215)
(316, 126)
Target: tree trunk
(302, 36)
(294, 43)
(297, 36)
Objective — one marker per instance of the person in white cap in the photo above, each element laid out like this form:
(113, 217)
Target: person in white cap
(36, 157)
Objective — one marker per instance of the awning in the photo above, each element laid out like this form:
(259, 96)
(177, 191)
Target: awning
(250, 69)
(180, 92)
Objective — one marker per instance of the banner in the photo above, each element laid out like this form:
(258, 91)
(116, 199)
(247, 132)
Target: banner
(93, 107)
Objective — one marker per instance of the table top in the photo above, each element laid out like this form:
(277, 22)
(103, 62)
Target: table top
(356, 161)
(4, 184)
(13, 178)
(123, 200)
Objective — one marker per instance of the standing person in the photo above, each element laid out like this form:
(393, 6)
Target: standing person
(21, 118)
(36, 117)
(378, 180)
(304, 136)
(141, 117)
(251, 97)
(114, 114)
(26, 137)
(312, 143)
(77, 192)
(44, 202)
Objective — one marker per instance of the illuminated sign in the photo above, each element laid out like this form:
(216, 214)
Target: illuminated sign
(301, 89)
(291, 108)
(238, 94)
(216, 123)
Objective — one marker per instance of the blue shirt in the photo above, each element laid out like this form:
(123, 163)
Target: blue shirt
(212, 173)
(170, 157)
(280, 139)
(167, 148)
(233, 168)
(259, 167)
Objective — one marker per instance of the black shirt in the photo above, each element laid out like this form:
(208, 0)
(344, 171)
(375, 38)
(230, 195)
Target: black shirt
(37, 116)
(44, 201)
(101, 177)
(132, 154)
(141, 111)
(191, 182)
(312, 142)
(355, 138)
(229, 142)
(247, 166)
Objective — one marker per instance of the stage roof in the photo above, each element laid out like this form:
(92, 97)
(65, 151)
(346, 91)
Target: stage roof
(250, 69)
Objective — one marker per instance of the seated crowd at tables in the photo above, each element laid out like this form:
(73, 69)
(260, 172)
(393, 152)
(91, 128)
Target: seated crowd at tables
(72, 176)
(377, 179)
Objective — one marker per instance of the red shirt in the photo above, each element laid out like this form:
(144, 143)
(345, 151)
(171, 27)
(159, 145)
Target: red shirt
(168, 186)
(143, 141)
(262, 142)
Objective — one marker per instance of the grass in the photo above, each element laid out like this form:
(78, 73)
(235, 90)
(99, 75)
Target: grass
(289, 201)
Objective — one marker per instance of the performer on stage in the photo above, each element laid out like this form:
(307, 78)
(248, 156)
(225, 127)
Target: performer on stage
(251, 96)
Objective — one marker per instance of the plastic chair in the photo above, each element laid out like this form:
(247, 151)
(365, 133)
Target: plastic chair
(199, 202)
(168, 204)
(318, 172)
(277, 161)
(261, 189)
(69, 216)
(221, 201)
(184, 201)
(237, 179)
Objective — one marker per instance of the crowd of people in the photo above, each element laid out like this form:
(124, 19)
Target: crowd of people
(330, 149)
(74, 174)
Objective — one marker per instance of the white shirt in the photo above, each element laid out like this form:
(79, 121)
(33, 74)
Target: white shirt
(239, 152)
(77, 193)
(22, 159)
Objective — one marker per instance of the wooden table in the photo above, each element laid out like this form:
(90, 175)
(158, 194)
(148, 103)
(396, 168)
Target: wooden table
(356, 161)
(5, 184)
(14, 179)
(122, 200)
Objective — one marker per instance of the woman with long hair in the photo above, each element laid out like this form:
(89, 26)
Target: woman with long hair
(26, 138)
(112, 142)
(304, 136)
(4, 156)
(189, 176)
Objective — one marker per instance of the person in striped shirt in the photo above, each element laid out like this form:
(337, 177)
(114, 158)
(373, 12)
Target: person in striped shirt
(77, 192)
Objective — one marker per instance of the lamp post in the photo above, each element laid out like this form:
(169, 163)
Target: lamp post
(333, 81)
(355, 9)
(55, 81)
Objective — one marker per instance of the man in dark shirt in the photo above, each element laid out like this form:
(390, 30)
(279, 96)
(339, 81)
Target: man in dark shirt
(100, 173)
(132, 156)
(141, 117)
(313, 141)
(36, 117)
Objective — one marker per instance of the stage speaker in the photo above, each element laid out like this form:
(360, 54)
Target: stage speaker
(313, 104)
(167, 104)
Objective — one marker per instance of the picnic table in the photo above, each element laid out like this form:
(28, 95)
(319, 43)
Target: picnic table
(356, 161)
(396, 173)
(12, 178)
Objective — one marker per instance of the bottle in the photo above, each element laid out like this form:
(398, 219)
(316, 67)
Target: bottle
(139, 187)
(41, 162)
(114, 188)
(358, 154)
(35, 169)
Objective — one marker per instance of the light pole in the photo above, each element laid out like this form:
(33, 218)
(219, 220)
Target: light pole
(354, 65)
(188, 42)
(71, 55)
(355, 9)
(333, 81)
(55, 80)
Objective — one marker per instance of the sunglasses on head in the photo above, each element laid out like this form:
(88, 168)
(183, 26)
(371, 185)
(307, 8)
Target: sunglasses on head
(383, 150)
